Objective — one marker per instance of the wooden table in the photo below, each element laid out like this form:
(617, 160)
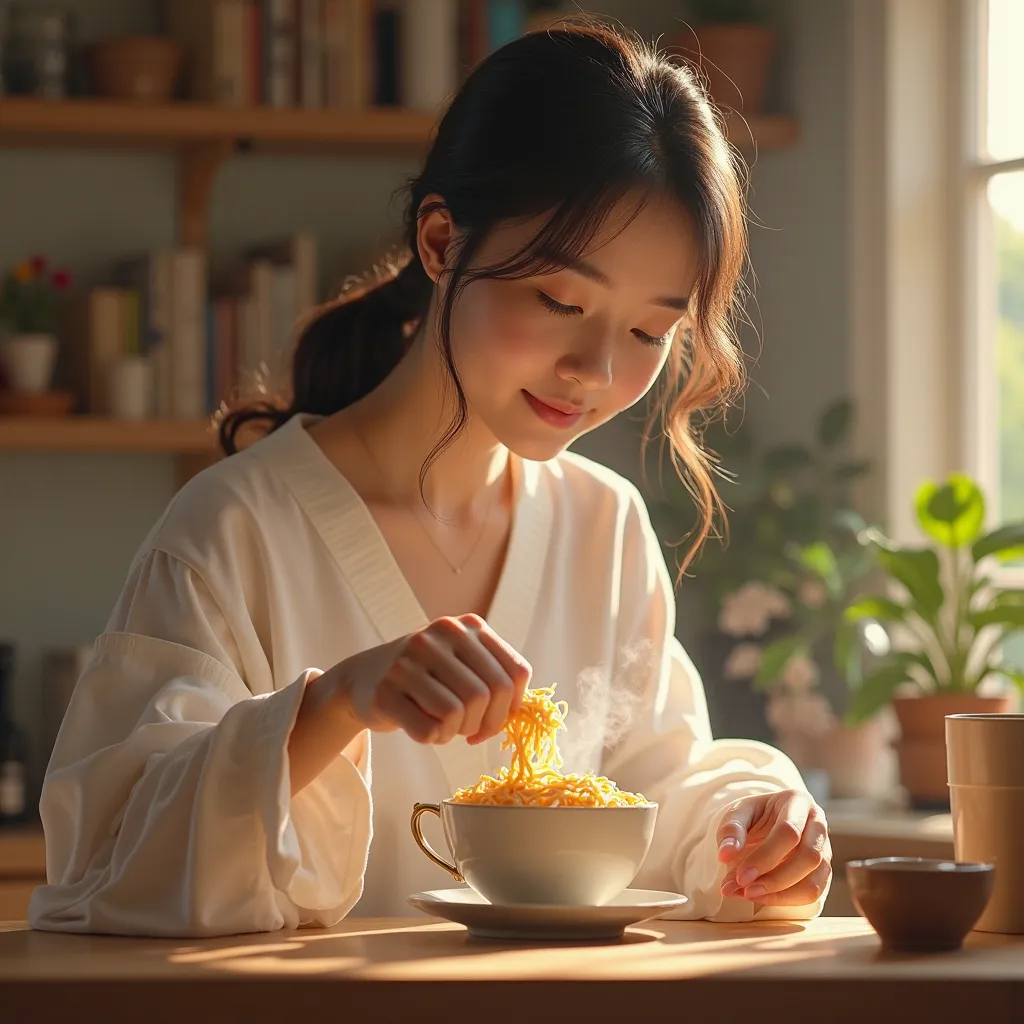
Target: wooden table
(370, 971)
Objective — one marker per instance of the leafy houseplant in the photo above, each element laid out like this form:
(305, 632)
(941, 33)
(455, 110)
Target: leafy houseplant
(949, 625)
(779, 587)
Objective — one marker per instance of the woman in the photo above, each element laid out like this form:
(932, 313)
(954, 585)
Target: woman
(413, 527)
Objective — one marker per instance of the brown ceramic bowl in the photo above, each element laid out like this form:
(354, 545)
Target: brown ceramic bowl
(916, 904)
(142, 69)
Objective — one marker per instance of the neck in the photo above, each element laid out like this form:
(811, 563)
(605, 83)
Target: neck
(402, 420)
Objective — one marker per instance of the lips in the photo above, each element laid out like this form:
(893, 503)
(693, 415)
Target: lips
(552, 411)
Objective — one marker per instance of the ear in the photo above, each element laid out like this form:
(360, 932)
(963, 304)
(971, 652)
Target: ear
(435, 234)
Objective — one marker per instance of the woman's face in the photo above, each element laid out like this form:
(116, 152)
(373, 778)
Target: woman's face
(545, 359)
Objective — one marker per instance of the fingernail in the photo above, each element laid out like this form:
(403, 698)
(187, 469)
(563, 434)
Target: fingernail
(754, 892)
(746, 876)
(730, 889)
(729, 844)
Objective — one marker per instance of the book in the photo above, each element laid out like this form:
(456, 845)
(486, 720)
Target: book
(348, 49)
(311, 76)
(212, 34)
(279, 52)
(385, 56)
(429, 53)
(94, 331)
(188, 328)
(149, 276)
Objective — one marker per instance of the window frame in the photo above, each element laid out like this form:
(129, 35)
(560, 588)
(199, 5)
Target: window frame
(921, 351)
(978, 270)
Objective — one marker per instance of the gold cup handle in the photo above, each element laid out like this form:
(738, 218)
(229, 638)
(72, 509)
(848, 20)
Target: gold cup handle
(417, 833)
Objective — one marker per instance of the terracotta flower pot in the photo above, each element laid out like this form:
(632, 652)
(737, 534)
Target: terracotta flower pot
(858, 761)
(140, 69)
(736, 61)
(921, 748)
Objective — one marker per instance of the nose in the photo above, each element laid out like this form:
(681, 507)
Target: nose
(590, 365)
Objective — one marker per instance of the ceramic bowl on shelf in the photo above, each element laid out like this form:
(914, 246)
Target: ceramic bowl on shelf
(143, 69)
(917, 904)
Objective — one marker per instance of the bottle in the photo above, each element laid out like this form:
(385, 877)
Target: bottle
(13, 748)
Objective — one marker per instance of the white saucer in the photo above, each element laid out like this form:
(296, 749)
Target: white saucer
(544, 923)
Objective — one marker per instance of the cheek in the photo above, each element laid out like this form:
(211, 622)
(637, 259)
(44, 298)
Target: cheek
(499, 330)
(636, 372)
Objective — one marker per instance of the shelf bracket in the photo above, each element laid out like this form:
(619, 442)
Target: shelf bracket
(197, 167)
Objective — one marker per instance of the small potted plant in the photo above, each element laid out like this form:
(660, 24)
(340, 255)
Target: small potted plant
(30, 300)
(948, 623)
(734, 49)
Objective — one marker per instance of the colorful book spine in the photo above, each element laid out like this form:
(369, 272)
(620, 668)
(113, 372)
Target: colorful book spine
(279, 52)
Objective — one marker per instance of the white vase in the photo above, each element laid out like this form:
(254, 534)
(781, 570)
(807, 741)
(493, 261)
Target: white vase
(29, 361)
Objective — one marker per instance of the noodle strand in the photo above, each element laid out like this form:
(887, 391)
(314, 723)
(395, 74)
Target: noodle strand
(534, 777)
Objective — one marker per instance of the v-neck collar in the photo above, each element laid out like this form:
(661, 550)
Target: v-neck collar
(350, 533)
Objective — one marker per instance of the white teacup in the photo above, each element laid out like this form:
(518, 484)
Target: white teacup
(567, 856)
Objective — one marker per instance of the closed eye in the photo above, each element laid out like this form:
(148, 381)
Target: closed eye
(647, 339)
(558, 308)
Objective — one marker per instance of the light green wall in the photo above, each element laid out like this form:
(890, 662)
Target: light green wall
(69, 523)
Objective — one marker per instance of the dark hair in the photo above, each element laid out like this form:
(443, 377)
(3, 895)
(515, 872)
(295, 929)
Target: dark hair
(565, 123)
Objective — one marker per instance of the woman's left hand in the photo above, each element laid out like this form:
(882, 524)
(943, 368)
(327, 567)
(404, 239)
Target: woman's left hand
(777, 847)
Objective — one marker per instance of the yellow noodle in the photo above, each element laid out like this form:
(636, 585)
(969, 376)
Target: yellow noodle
(534, 777)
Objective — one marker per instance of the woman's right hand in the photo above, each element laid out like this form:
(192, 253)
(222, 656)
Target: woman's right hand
(455, 677)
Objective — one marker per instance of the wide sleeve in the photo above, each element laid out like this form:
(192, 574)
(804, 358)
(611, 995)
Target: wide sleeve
(167, 802)
(668, 753)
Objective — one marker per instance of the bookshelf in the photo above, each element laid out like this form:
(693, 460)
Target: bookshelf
(201, 136)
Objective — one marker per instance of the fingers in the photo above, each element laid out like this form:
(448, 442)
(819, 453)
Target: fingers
(732, 832)
(516, 667)
(804, 893)
(398, 707)
(461, 676)
(808, 856)
(465, 684)
(788, 814)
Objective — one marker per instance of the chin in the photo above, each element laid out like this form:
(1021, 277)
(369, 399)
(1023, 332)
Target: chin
(538, 446)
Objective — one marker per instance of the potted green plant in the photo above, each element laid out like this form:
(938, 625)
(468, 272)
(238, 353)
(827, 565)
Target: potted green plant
(948, 623)
(30, 301)
(734, 49)
(777, 591)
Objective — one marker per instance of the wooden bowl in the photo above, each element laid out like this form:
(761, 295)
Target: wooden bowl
(917, 904)
(142, 69)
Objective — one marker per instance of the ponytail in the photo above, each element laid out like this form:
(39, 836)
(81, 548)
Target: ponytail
(345, 349)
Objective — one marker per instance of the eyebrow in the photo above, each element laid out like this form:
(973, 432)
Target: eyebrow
(591, 273)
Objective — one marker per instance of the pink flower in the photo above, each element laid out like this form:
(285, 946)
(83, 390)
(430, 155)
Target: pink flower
(61, 279)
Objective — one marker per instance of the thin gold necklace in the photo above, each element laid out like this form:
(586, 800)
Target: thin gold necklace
(414, 512)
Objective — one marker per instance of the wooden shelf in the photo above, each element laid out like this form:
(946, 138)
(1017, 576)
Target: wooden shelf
(202, 135)
(99, 434)
(100, 123)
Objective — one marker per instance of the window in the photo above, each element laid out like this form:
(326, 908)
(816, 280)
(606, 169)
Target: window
(995, 225)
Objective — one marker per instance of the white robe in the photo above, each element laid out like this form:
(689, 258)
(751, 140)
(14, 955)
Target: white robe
(166, 803)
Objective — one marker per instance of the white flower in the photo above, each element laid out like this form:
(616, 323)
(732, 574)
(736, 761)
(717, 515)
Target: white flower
(749, 610)
(805, 714)
(800, 674)
(743, 661)
(813, 593)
